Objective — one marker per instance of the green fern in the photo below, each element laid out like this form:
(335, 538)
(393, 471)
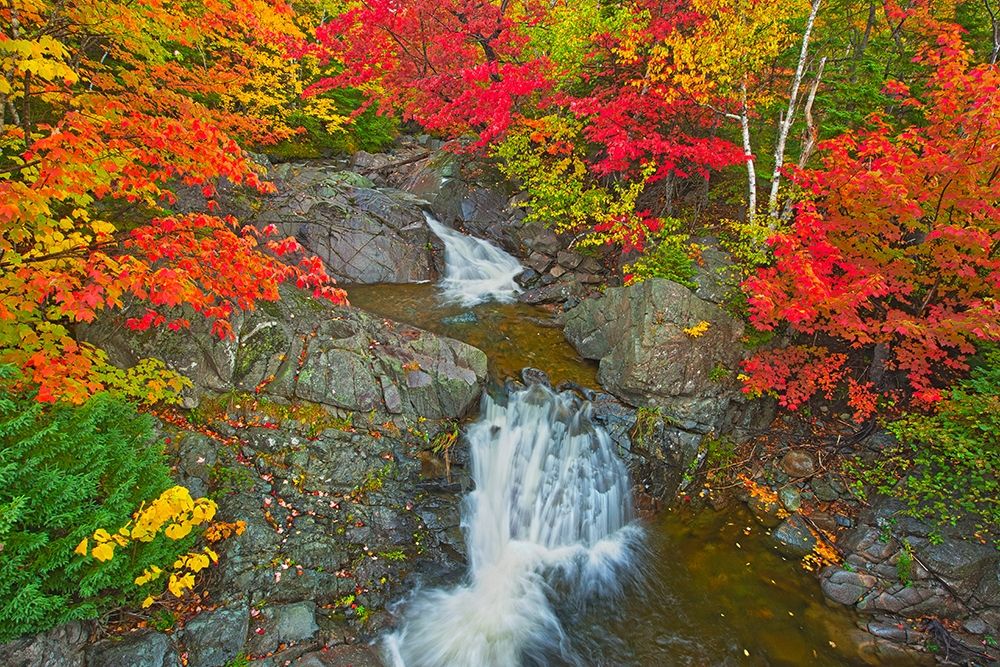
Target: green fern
(64, 472)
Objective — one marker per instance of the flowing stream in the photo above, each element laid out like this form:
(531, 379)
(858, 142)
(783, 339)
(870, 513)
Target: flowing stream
(549, 525)
(475, 270)
(559, 572)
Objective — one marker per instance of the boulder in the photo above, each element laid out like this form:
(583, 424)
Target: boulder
(648, 359)
(213, 638)
(283, 624)
(793, 537)
(301, 349)
(59, 647)
(140, 649)
(352, 655)
(845, 586)
(798, 463)
(363, 234)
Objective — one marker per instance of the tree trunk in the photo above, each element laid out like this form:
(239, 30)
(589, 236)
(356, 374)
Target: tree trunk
(785, 125)
(748, 155)
(996, 32)
(812, 132)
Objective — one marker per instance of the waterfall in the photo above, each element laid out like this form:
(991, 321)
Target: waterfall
(475, 270)
(549, 521)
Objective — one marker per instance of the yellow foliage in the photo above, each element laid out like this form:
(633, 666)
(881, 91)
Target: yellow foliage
(175, 513)
(698, 329)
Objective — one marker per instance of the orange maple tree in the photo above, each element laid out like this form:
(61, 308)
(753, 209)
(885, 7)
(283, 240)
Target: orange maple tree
(106, 109)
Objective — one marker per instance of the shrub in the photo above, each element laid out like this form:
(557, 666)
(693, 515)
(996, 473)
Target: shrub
(670, 259)
(949, 462)
(65, 472)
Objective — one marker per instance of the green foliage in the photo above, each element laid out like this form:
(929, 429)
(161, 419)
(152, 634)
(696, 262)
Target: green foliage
(646, 420)
(948, 463)
(719, 452)
(240, 660)
(669, 259)
(368, 131)
(904, 564)
(719, 373)
(66, 471)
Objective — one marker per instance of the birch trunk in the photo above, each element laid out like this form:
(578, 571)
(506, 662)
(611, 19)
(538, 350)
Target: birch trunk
(748, 154)
(785, 125)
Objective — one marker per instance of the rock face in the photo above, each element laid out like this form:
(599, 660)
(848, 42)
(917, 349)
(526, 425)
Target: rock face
(363, 233)
(300, 349)
(894, 567)
(647, 358)
(142, 649)
(60, 647)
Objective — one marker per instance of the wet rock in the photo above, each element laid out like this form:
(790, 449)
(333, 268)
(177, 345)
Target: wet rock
(590, 265)
(844, 586)
(910, 600)
(791, 498)
(60, 647)
(557, 271)
(824, 521)
(212, 638)
(532, 376)
(793, 537)
(141, 649)
(284, 624)
(646, 358)
(341, 656)
(588, 278)
(877, 651)
(552, 293)
(798, 464)
(766, 512)
(545, 242)
(824, 489)
(526, 278)
(467, 317)
(569, 259)
(538, 262)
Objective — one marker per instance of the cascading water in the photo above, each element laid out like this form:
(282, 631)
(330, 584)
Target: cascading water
(549, 522)
(476, 271)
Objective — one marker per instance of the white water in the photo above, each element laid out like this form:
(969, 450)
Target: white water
(549, 522)
(475, 270)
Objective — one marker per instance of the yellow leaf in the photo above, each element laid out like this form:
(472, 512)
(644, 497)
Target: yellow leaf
(147, 602)
(176, 531)
(102, 227)
(81, 548)
(104, 551)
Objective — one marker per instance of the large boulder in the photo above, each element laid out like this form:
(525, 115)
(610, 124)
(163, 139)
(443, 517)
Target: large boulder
(301, 349)
(362, 233)
(660, 345)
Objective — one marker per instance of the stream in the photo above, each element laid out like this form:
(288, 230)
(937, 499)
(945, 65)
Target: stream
(559, 572)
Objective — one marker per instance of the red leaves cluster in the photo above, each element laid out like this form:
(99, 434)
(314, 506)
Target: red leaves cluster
(898, 245)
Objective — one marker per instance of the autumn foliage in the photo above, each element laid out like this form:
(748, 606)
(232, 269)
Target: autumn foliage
(106, 109)
(894, 250)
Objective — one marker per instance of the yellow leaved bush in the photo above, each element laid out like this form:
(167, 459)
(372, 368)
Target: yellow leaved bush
(174, 514)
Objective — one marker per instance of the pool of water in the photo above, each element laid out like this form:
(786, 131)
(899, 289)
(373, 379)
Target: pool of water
(716, 592)
(711, 590)
(513, 335)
